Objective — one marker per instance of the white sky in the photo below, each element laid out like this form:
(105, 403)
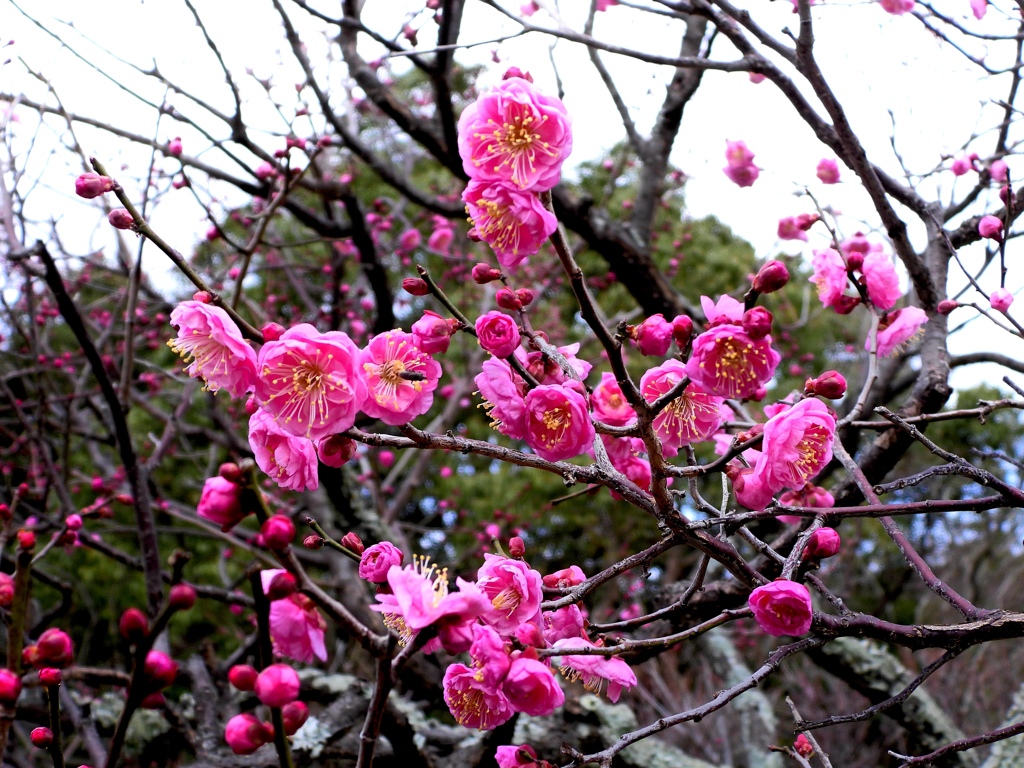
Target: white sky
(875, 62)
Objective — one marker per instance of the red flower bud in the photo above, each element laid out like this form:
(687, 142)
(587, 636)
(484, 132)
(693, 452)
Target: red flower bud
(294, 714)
(946, 306)
(50, 676)
(41, 737)
(281, 586)
(312, 542)
(26, 540)
(772, 276)
(245, 734)
(278, 532)
(6, 590)
(10, 688)
(182, 597)
(159, 670)
(757, 322)
(153, 700)
(120, 218)
(682, 330)
(230, 471)
(336, 450)
(824, 542)
(506, 299)
(174, 146)
(526, 296)
(134, 625)
(90, 185)
(243, 677)
(831, 385)
(803, 747)
(415, 286)
(485, 273)
(846, 304)
(272, 331)
(352, 542)
(55, 649)
(516, 547)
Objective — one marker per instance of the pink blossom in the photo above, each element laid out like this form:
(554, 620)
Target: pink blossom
(727, 362)
(899, 327)
(221, 503)
(514, 223)
(547, 371)
(557, 422)
(514, 592)
(653, 336)
(725, 310)
(991, 227)
(296, 626)
(489, 655)
(1000, 299)
(998, 171)
(829, 275)
(978, 8)
(782, 607)
(377, 560)
(828, 171)
(410, 240)
(524, 756)
(691, 417)
(532, 688)
(808, 496)
(311, 382)
(740, 169)
(610, 404)
(797, 445)
(594, 671)
(401, 379)
(897, 7)
(566, 577)
(497, 333)
(219, 355)
(290, 461)
(472, 702)
(515, 134)
(503, 392)
(789, 229)
(440, 239)
(432, 333)
(882, 283)
(750, 488)
(564, 623)
(961, 165)
(277, 685)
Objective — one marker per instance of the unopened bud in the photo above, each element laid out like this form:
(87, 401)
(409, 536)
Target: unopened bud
(485, 273)
(824, 542)
(831, 385)
(682, 330)
(516, 547)
(526, 296)
(757, 322)
(243, 677)
(771, 277)
(352, 542)
(90, 185)
(73, 522)
(41, 737)
(134, 625)
(174, 146)
(26, 540)
(120, 218)
(281, 586)
(182, 597)
(272, 331)
(50, 676)
(294, 714)
(312, 542)
(506, 299)
(415, 286)
(230, 471)
(946, 306)
(1004, 193)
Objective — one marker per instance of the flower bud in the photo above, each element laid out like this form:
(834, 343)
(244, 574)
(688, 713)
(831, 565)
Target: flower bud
(507, 299)
(90, 185)
(991, 227)
(245, 734)
(182, 597)
(432, 333)
(26, 540)
(50, 676)
(803, 747)
(516, 547)
(946, 306)
(757, 322)
(1000, 299)
(159, 670)
(831, 385)
(844, 305)
(653, 336)
(41, 737)
(682, 330)
(10, 687)
(312, 542)
(278, 532)
(272, 331)
(243, 677)
(294, 714)
(55, 649)
(352, 542)
(73, 522)
(134, 625)
(121, 219)
(281, 586)
(230, 471)
(772, 276)
(526, 296)
(221, 503)
(336, 450)
(485, 273)
(1004, 193)
(277, 685)
(415, 286)
(153, 700)
(6, 590)
(824, 542)
(174, 146)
